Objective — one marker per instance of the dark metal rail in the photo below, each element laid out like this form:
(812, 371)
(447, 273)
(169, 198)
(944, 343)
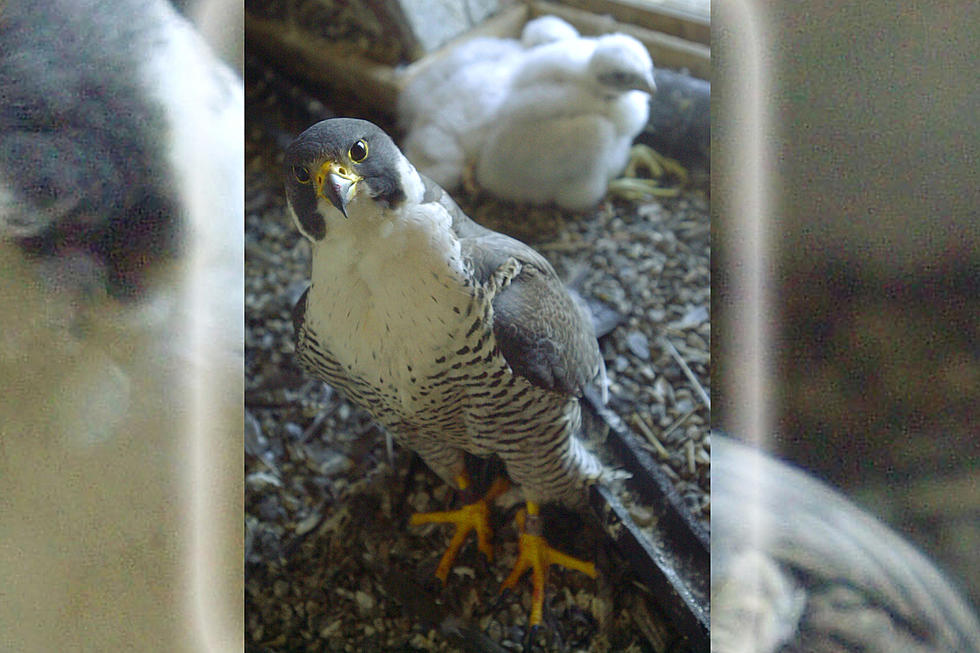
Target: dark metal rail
(676, 561)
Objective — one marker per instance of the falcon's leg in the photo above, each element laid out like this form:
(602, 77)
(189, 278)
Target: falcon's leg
(537, 555)
(473, 516)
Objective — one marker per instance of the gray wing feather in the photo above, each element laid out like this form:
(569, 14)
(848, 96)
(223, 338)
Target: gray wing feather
(542, 332)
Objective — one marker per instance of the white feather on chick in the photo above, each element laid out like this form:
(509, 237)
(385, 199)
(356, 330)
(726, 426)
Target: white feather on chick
(565, 128)
(447, 107)
(546, 29)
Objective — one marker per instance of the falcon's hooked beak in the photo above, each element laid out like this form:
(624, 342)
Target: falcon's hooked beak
(337, 184)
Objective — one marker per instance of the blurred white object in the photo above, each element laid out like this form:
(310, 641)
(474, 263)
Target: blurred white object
(796, 567)
(121, 332)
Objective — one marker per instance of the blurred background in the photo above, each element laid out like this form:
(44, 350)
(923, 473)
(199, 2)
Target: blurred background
(120, 416)
(875, 270)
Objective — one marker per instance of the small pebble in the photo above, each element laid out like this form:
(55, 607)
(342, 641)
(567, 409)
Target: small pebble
(364, 600)
(638, 344)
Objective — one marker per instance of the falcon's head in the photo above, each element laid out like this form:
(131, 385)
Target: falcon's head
(345, 168)
(620, 64)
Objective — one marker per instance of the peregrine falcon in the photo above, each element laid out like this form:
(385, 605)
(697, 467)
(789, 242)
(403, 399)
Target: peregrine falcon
(457, 339)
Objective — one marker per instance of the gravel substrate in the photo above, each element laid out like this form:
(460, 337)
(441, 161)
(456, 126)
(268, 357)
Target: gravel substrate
(331, 564)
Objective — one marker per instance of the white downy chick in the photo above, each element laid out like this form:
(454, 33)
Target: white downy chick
(447, 107)
(565, 128)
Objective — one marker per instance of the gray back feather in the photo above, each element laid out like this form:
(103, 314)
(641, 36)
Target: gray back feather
(542, 332)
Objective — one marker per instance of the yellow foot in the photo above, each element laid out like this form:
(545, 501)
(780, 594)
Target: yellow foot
(474, 516)
(635, 185)
(537, 555)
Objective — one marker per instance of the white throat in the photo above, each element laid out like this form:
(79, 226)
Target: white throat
(387, 289)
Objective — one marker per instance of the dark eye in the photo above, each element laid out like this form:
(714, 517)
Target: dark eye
(302, 174)
(358, 151)
(619, 78)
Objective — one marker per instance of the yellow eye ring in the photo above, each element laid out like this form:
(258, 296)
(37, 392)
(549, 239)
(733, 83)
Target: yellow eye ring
(302, 174)
(358, 151)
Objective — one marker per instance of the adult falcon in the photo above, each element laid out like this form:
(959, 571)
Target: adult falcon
(456, 338)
